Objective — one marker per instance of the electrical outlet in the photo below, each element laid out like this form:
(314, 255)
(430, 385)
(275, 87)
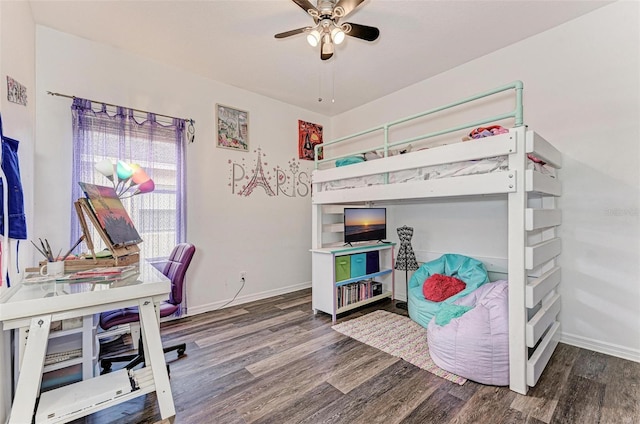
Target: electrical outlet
(243, 275)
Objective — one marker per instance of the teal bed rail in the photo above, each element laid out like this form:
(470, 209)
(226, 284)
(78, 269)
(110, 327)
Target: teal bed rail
(516, 114)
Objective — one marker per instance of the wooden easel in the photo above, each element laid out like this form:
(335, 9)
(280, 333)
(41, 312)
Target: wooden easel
(118, 252)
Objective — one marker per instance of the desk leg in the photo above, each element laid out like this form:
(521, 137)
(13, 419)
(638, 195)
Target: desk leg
(30, 377)
(150, 328)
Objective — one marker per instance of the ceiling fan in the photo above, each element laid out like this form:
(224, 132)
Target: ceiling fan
(327, 30)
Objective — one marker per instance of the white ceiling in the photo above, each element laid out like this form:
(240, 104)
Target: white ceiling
(232, 41)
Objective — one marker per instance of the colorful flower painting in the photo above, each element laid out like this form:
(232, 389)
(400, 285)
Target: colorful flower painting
(233, 128)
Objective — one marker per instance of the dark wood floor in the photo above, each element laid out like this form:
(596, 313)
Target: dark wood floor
(274, 361)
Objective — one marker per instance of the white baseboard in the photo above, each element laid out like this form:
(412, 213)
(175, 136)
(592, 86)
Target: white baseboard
(602, 347)
(246, 299)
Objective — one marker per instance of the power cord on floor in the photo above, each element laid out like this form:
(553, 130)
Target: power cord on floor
(234, 296)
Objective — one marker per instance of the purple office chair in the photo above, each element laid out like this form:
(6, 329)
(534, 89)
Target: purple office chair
(175, 269)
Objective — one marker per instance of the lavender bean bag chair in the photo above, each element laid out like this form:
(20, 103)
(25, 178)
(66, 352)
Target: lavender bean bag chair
(474, 345)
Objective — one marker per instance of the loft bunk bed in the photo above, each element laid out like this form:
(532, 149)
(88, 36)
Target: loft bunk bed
(518, 164)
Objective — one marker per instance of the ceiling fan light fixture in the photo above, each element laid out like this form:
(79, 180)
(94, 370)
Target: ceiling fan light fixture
(327, 30)
(327, 46)
(337, 35)
(313, 38)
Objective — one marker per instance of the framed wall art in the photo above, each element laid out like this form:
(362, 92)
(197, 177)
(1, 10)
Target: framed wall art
(233, 128)
(16, 92)
(309, 135)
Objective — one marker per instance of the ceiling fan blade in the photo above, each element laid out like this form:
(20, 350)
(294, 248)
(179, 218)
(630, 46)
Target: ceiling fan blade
(326, 48)
(306, 5)
(290, 33)
(364, 32)
(347, 6)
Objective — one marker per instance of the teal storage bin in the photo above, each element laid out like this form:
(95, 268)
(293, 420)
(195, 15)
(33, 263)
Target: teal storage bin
(343, 268)
(358, 265)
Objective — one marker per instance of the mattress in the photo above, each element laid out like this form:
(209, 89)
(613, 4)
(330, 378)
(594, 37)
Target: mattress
(455, 169)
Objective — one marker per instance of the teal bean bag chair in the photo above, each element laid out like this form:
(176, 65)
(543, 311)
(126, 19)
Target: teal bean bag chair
(467, 269)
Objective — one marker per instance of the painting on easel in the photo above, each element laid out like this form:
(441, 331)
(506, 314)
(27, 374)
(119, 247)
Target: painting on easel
(111, 214)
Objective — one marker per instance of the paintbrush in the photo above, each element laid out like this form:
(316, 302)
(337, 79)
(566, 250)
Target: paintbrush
(38, 249)
(49, 251)
(73, 247)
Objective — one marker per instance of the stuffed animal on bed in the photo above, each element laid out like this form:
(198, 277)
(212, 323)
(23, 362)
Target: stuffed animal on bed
(482, 132)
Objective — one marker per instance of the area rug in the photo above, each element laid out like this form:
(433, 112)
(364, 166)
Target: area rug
(396, 335)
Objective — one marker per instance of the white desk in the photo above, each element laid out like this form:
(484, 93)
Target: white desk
(37, 305)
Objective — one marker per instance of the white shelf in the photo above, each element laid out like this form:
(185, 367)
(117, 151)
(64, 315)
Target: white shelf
(63, 333)
(77, 400)
(70, 341)
(363, 277)
(324, 295)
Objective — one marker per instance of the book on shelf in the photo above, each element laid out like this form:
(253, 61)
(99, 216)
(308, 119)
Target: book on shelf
(357, 292)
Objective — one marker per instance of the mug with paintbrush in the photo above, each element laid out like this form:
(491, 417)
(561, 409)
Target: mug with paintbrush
(53, 267)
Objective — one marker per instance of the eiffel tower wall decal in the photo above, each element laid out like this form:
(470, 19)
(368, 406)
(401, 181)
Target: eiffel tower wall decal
(289, 181)
(258, 179)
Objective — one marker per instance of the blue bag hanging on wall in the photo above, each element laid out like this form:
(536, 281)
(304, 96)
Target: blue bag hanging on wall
(11, 169)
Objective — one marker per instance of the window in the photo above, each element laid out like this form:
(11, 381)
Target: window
(118, 134)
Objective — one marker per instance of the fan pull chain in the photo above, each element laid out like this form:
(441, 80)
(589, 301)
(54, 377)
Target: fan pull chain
(333, 81)
(319, 85)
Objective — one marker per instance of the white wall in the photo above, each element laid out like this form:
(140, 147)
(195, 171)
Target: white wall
(268, 237)
(17, 60)
(582, 93)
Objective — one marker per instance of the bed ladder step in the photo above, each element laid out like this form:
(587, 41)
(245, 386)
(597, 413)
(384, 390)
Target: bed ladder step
(542, 218)
(541, 356)
(540, 183)
(542, 252)
(542, 320)
(538, 288)
(542, 149)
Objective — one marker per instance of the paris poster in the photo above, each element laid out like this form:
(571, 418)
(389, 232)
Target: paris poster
(309, 135)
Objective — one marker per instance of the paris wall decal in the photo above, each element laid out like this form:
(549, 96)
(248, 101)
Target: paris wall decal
(287, 181)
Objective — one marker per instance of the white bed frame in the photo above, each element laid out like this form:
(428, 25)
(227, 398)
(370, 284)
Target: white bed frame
(533, 245)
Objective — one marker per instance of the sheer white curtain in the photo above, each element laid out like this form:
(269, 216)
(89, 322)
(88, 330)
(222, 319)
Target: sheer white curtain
(101, 132)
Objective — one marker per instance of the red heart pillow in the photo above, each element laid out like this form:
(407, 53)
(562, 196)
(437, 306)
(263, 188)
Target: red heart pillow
(439, 287)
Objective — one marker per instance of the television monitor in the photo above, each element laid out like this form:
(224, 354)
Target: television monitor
(365, 224)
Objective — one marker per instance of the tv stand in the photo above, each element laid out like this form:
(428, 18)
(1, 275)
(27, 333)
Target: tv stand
(336, 290)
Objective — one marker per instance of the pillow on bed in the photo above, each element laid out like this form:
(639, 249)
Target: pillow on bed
(349, 160)
(372, 156)
(439, 287)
